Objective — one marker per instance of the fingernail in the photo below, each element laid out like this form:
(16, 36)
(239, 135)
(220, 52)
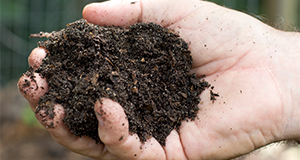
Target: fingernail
(100, 118)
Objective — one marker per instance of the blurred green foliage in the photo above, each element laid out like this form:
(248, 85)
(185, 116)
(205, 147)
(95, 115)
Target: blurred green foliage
(28, 117)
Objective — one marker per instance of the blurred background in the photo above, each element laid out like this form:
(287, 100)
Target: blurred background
(22, 137)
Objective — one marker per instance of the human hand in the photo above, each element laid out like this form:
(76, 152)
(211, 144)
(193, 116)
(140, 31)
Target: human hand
(239, 55)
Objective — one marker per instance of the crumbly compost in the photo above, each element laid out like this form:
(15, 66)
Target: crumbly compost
(145, 68)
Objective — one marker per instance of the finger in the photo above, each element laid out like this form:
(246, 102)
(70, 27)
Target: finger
(173, 148)
(118, 13)
(128, 12)
(62, 135)
(32, 86)
(114, 133)
(36, 57)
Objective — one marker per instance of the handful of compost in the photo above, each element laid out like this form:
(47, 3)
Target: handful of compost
(145, 68)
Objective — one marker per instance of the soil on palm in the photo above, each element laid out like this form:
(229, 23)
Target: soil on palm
(145, 68)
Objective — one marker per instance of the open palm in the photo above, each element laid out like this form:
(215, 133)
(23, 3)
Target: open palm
(237, 54)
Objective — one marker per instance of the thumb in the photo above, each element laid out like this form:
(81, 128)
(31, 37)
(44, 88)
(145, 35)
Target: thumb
(127, 12)
(117, 13)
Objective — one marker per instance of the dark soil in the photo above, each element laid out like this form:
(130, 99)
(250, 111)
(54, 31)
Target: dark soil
(146, 68)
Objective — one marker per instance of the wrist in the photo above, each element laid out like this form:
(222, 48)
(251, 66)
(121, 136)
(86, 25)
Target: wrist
(293, 128)
(289, 82)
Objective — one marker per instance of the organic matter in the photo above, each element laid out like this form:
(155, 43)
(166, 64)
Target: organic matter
(145, 68)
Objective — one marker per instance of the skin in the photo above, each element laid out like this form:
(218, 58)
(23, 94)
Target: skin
(253, 67)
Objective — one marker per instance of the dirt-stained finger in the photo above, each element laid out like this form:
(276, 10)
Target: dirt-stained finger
(112, 120)
(32, 86)
(114, 133)
(173, 147)
(36, 57)
(61, 134)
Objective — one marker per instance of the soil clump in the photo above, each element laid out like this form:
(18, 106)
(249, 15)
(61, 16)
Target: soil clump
(145, 68)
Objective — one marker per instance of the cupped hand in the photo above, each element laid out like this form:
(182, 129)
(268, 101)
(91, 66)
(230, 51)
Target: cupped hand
(240, 56)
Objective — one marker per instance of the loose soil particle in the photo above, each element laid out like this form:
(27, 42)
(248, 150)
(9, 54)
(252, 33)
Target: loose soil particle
(145, 68)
